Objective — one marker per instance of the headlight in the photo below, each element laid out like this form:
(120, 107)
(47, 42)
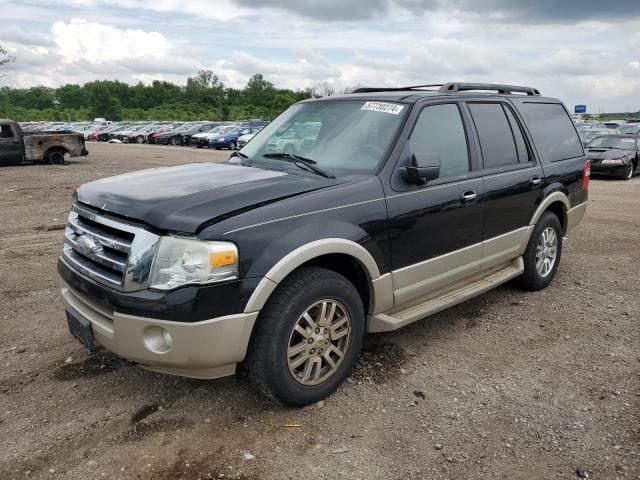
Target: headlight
(182, 261)
(613, 161)
(221, 139)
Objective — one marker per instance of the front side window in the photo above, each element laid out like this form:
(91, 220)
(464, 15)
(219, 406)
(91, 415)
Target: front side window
(5, 131)
(439, 130)
(338, 135)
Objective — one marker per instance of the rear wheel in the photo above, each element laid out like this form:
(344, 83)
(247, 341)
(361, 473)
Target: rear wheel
(308, 337)
(139, 139)
(56, 157)
(542, 256)
(173, 141)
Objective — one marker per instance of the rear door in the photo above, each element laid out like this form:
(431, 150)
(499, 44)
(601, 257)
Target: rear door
(435, 229)
(11, 147)
(513, 180)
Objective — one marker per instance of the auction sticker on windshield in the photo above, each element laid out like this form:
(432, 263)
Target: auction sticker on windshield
(383, 107)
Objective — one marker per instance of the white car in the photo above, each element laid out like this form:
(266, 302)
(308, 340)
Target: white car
(244, 139)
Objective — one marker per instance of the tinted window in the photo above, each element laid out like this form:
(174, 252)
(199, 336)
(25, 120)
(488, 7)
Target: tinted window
(496, 138)
(5, 131)
(521, 145)
(439, 130)
(552, 131)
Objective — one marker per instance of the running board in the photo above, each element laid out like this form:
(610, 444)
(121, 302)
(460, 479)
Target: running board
(447, 297)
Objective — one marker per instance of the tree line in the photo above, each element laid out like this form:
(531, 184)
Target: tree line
(204, 97)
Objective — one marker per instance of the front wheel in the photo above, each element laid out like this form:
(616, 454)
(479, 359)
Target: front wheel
(628, 172)
(139, 139)
(542, 256)
(232, 145)
(308, 337)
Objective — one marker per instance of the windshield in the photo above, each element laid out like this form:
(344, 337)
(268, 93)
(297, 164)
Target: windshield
(337, 135)
(594, 134)
(613, 142)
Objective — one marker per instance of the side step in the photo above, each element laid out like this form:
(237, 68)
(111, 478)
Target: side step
(447, 297)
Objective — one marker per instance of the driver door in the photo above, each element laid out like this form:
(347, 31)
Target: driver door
(436, 228)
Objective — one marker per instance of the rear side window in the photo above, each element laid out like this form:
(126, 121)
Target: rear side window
(495, 133)
(552, 131)
(439, 130)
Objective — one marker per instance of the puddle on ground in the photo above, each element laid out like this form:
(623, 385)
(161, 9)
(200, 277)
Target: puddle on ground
(379, 363)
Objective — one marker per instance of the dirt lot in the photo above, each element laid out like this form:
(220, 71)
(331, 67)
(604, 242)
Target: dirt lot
(508, 385)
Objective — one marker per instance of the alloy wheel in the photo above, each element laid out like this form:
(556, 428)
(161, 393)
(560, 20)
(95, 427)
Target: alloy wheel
(546, 251)
(319, 342)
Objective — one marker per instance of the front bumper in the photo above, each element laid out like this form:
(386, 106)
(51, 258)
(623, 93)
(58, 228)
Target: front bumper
(608, 169)
(204, 349)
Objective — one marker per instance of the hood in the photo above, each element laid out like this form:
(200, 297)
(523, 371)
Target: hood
(605, 153)
(182, 198)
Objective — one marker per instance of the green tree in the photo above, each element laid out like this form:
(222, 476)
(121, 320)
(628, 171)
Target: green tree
(102, 103)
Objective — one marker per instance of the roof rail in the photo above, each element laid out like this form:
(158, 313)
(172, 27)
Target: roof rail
(502, 89)
(393, 89)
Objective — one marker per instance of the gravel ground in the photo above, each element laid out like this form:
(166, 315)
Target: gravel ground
(508, 385)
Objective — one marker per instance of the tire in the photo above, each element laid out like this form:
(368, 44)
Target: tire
(628, 172)
(139, 139)
(232, 145)
(273, 371)
(173, 141)
(538, 276)
(55, 157)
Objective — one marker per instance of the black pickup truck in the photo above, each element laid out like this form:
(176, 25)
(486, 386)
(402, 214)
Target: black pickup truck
(17, 146)
(402, 203)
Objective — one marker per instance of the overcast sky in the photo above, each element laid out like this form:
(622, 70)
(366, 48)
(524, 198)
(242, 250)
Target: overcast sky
(582, 51)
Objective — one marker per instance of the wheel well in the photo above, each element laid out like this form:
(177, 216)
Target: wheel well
(559, 210)
(349, 268)
(55, 149)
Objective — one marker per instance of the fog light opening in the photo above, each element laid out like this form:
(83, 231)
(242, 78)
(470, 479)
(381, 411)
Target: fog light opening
(157, 339)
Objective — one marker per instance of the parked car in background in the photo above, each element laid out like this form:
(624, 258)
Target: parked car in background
(185, 137)
(162, 128)
(17, 146)
(173, 137)
(201, 140)
(587, 135)
(296, 139)
(229, 139)
(630, 129)
(614, 155)
(244, 139)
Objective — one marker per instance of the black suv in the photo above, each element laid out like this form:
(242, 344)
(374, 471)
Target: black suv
(387, 206)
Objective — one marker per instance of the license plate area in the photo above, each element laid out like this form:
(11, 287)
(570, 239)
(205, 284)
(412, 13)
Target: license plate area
(80, 328)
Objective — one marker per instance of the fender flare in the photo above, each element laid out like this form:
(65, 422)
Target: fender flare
(548, 200)
(379, 284)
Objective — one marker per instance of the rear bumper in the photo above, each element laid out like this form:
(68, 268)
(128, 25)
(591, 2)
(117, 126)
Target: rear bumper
(205, 349)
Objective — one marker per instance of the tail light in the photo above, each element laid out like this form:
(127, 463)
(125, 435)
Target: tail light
(586, 174)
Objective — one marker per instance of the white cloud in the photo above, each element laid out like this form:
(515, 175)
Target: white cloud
(96, 43)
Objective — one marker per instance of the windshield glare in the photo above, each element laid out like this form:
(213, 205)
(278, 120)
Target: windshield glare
(613, 142)
(342, 135)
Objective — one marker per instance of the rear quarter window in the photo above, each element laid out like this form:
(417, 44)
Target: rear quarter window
(552, 131)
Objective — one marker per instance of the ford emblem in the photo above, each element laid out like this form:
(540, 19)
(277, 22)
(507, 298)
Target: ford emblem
(87, 245)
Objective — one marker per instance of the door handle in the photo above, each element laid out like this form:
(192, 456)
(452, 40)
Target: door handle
(470, 196)
(535, 181)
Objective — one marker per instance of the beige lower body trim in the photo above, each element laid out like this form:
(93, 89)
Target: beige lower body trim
(446, 297)
(575, 215)
(420, 279)
(207, 349)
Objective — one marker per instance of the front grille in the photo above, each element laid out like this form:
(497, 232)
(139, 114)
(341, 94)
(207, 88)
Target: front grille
(110, 252)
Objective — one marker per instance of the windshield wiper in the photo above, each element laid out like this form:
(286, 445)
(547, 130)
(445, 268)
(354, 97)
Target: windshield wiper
(301, 162)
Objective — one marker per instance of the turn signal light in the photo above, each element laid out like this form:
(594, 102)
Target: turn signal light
(222, 259)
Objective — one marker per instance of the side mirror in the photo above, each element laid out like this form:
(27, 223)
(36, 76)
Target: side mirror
(422, 168)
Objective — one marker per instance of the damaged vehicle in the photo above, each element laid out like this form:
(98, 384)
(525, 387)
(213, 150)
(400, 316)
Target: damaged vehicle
(406, 202)
(17, 146)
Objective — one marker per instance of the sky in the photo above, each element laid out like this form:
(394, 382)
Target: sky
(581, 51)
